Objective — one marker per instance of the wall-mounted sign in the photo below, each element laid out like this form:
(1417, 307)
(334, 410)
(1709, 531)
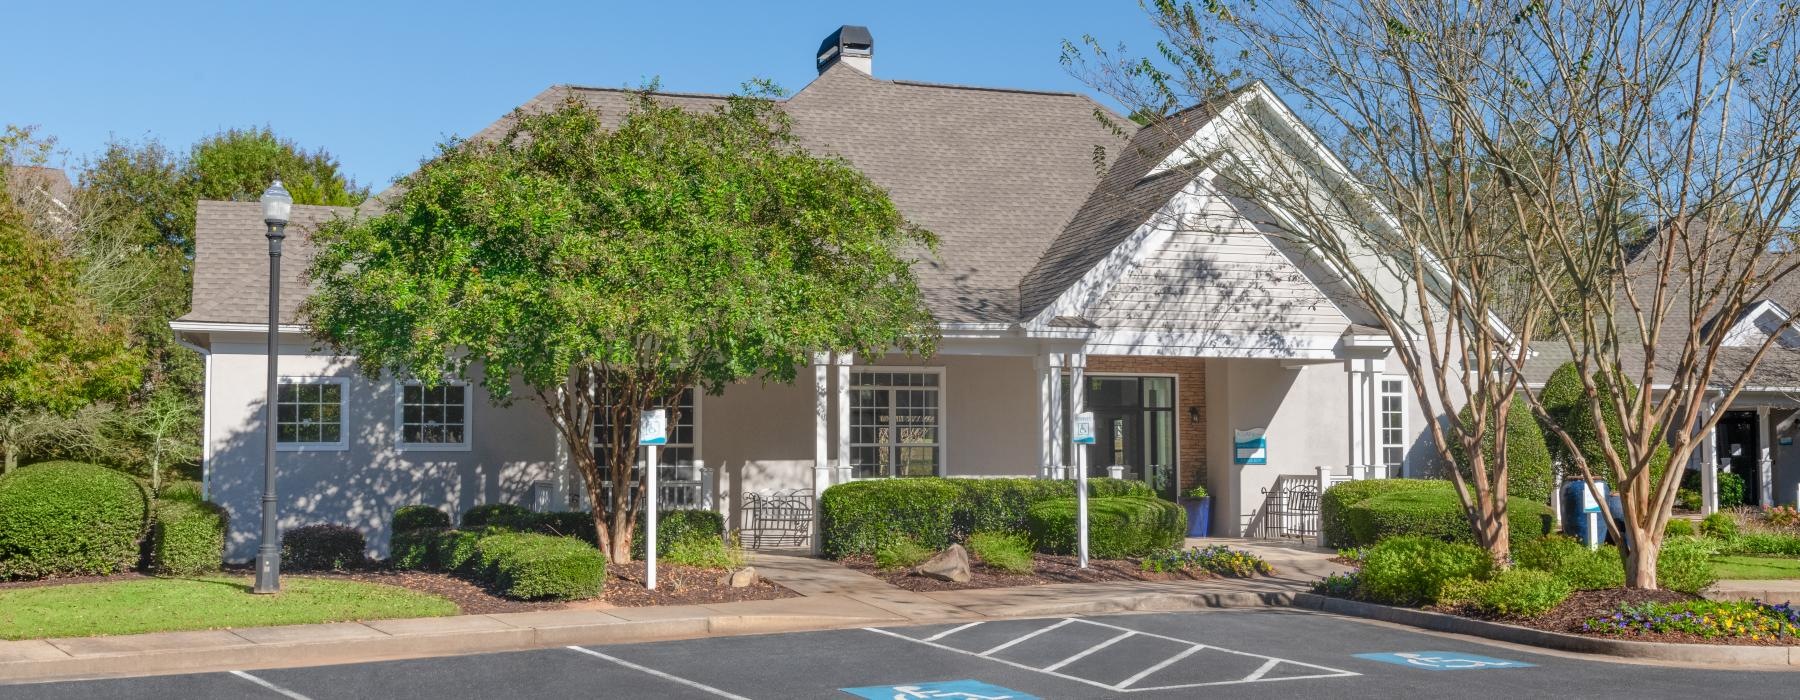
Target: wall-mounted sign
(1084, 428)
(1784, 440)
(653, 427)
(1250, 447)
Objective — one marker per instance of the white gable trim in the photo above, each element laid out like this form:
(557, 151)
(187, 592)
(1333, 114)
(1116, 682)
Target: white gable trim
(1750, 331)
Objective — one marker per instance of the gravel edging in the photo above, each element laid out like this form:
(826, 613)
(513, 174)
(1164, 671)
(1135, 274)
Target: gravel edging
(1712, 654)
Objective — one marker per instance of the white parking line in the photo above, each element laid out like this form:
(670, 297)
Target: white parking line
(659, 674)
(1260, 675)
(951, 631)
(291, 695)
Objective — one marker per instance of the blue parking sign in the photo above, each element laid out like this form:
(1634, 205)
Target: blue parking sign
(949, 690)
(1443, 660)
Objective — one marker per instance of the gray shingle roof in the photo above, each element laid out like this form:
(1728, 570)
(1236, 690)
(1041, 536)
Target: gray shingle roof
(231, 261)
(996, 174)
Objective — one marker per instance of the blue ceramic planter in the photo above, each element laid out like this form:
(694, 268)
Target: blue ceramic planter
(1199, 515)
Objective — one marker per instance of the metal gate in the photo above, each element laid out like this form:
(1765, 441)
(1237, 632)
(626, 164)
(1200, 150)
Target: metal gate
(1291, 510)
(777, 519)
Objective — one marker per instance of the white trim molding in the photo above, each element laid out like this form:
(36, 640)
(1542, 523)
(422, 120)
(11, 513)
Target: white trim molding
(343, 441)
(468, 420)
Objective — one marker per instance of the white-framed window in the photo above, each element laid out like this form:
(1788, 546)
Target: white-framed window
(309, 413)
(1390, 423)
(896, 421)
(433, 418)
(683, 447)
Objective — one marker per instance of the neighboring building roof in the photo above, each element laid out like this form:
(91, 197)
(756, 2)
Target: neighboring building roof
(997, 174)
(24, 181)
(231, 261)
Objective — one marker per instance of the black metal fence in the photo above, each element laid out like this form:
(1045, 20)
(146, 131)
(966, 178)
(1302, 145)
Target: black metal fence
(1291, 510)
(777, 519)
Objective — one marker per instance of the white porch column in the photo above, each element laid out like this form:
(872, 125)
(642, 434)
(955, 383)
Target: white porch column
(1709, 464)
(821, 423)
(1362, 423)
(1077, 363)
(1765, 460)
(843, 362)
(1372, 417)
(1049, 367)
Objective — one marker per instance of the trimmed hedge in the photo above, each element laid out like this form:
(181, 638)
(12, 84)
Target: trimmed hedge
(1528, 469)
(1430, 511)
(1337, 499)
(1118, 527)
(323, 548)
(434, 549)
(530, 566)
(69, 519)
(500, 514)
(1571, 561)
(674, 526)
(857, 517)
(1566, 402)
(188, 537)
(415, 517)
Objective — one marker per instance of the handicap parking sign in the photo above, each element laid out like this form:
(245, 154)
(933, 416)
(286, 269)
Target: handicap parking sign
(949, 690)
(1443, 660)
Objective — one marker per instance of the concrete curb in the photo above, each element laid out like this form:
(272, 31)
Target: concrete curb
(1711, 654)
(223, 650)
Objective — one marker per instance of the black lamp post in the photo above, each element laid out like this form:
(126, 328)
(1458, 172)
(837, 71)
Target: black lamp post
(275, 205)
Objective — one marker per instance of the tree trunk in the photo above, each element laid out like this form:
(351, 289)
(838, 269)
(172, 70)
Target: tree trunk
(12, 459)
(1494, 533)
(1640, 559)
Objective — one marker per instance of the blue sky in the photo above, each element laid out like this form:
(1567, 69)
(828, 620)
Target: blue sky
(378, 83)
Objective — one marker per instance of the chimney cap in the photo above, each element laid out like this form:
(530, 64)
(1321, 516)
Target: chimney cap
(849, 39)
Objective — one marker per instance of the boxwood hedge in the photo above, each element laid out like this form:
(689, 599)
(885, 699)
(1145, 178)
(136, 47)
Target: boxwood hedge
(1118, 527)
(501, 514)
(857, 517)
(188, 537)
(434, 549)
(323, 547)
(1430, 508)
(69, 518)
(414, 517)
(530, 566)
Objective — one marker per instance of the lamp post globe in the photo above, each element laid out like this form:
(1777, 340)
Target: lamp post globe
(277, 205)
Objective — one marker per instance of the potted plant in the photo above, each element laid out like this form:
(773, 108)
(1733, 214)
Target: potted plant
(1199, 511)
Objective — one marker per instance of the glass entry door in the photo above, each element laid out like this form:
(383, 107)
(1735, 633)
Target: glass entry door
(1134, 427)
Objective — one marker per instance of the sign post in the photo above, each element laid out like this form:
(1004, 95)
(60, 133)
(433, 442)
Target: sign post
(1084, 436)
(653, 430)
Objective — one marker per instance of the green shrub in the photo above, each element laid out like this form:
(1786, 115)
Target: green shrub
(1720, 525)
(1780, 544)
(182, 490)
(507, 515)
(1685, 564)
(1570, 561)
(1002, 550)
(415, 517)
(187, 538)
(1117, 527)
(1337, 499)
(578, 524)
(1435, 512)
(1412, 570)
(1528, 473)
(901, 553)
(530, 566)
(1566, 402)
(1731, 490)
(673, 526)
(856, 517)
(1679, 527)
(322, 548)
(1461, 591)
(701, 552)
(1688, 498)
(1522, 593)
(68, 519)
(434, 549)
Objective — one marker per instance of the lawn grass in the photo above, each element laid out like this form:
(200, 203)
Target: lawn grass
(1749, 567)
(170, 604)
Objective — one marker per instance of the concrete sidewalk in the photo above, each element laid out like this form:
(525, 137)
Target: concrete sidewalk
(831, 597)
(1768, 591)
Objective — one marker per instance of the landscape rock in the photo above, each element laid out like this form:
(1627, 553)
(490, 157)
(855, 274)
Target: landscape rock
(949, 565)
(744, 578)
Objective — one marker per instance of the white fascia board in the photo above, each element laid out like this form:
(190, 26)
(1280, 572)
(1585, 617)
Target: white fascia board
(1746, 332)
(1210, 344)
(223, 327)
(1292, 125)
(1368, 341)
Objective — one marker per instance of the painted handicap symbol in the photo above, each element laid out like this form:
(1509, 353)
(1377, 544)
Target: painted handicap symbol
(942, 690)
(1443, 660)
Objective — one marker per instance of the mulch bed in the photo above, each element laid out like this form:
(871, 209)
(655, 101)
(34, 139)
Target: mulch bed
(1046, 569)
(680, 585)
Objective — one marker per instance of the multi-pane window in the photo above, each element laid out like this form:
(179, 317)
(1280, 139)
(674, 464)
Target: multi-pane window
(309, 412)
(434, 416)
(1392, 425)
(896, 426)
(683, 431)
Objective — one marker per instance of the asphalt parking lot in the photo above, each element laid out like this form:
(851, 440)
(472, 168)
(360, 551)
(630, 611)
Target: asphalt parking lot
(1239, 654)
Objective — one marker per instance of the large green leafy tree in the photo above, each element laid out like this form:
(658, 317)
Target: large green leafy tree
(59, 353)
(605, 271)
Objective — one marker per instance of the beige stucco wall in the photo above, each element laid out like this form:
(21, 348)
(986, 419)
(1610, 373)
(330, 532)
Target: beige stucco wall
(511, 448)
(1305, 411)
